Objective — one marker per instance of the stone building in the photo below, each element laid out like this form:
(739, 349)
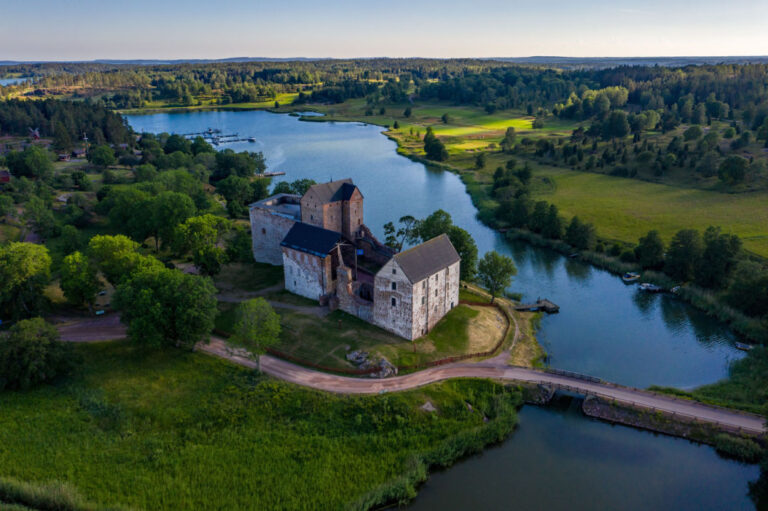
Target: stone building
(416, 288)
(310, 261)
(330, 255)
(271, 219)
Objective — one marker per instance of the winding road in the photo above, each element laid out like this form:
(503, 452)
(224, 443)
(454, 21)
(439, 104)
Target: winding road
(109, 328)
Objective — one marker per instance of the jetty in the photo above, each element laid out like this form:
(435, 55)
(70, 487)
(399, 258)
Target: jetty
(539, 305)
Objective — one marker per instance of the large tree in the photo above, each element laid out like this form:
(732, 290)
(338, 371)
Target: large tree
(202, 236)
(257, 326)
(650, 250)
(683, 255)
(25, 270)
(495, 272)
(117, 257)
(440, 222)
(718, 258)
(31, 353)
(78, 279)
(102, 156)
(165, 307)
(169, 209)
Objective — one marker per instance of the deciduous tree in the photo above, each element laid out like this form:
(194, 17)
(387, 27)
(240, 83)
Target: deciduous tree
(257, 326)
(165, 307)
(495, 272)
(31, 354)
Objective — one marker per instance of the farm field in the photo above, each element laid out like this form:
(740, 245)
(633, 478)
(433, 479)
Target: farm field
(181, 430)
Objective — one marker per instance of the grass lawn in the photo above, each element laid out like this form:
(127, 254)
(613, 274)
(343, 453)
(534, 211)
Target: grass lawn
(178, 430)
(324, 340)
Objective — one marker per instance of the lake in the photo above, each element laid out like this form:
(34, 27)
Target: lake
(605, 328)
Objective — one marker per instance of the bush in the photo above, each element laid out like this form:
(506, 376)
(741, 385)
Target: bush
(743, 449)
(31, 354)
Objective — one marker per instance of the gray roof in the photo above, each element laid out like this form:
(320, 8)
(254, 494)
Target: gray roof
(428, 258)
(333, 191)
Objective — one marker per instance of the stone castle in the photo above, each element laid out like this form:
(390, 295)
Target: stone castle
(329, 254)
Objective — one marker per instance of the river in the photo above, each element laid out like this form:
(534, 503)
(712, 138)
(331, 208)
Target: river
(605, 328)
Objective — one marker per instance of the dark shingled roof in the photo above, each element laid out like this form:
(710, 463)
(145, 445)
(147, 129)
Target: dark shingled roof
(310, 239)
(333, 191)
(428, 258)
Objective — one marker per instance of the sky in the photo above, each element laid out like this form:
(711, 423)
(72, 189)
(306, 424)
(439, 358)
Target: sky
(187, 29)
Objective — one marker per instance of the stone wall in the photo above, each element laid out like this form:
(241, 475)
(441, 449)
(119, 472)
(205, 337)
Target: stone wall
(397, 318)
(433, 297)
(352, 215)
(306, 274)
(347, 296)
(267, 232)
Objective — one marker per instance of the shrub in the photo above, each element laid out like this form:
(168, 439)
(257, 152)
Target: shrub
(31, 354)
(743, 449)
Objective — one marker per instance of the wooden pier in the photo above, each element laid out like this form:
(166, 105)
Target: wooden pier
(540, 305)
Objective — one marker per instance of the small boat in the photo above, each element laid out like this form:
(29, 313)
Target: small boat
(573, 255)
(744, 346)
(251, 139)
(651, 288)
(675, 289)
(630, 276)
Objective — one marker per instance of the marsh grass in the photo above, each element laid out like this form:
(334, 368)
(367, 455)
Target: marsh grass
(178, 430)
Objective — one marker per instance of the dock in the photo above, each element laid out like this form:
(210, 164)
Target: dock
(540, 305)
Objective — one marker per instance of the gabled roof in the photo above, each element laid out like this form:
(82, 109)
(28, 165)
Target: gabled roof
(427, 259)
(333, 191)
(310, 239)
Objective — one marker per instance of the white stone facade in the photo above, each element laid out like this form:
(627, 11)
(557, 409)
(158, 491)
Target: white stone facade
(412, 310)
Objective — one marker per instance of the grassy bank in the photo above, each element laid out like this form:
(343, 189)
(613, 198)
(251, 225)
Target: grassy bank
(175, 430)
(326, 340)
(744, 389)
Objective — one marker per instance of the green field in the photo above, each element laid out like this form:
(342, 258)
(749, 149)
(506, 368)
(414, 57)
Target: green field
(179, 430)
(625, 209)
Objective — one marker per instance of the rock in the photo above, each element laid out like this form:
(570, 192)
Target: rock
(357, 357)
(428, 407)
(386, 369)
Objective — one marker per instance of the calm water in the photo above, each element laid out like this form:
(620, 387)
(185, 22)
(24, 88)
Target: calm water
(605, 328)
(558, 460)
(11, 81)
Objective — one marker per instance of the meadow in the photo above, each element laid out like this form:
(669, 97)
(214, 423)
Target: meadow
(181, 430)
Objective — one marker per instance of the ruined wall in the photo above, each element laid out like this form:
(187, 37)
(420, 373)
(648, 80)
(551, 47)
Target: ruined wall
(305, 274)
(267, 232)
(397, 318)
(349, 301)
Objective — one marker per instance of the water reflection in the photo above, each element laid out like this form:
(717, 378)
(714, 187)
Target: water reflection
(604, 328)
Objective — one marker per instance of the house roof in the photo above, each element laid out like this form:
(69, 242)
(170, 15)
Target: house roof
(310, 239)
(333, 191)
(428, 258)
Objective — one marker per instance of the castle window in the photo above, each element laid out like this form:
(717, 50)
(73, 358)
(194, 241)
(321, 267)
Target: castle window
(423, 300)
(394, 286)
(424, 285)
(394, 271)
(394, 302)
(263, 231)
(435, 292)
